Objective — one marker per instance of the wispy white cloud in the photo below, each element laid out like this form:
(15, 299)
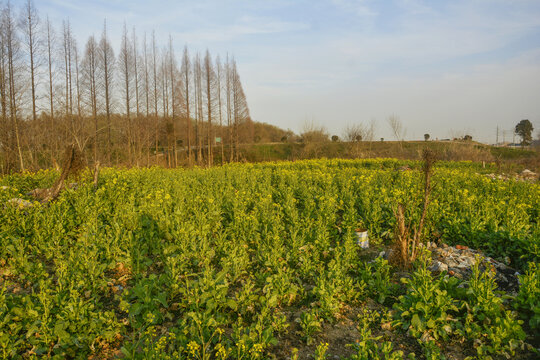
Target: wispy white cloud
(357, 7)
(245, 26)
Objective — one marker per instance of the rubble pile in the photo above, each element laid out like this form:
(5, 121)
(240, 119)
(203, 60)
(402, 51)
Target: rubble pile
(458, 261)
(525, 175)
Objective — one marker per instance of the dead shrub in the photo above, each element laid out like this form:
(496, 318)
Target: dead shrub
(407, 235)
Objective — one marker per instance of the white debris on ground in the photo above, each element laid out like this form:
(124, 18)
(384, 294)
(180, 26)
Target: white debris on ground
(525, 175)
(458, 261)
(528, 174)
(21, 203)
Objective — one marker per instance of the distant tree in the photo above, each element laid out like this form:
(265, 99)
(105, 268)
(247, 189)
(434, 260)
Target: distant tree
(335, 138)
(355, 132)
(397, 127)
(313, 133)
(426, 137)
(467, 138)
(382, 139)
(524, 129)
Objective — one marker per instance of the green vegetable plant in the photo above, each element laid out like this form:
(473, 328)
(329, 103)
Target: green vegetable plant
(492, 329)
(427, 311)
(527, 302)
(310, 324)
(370, 347)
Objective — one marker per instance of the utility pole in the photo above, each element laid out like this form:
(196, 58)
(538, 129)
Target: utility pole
(497, 139)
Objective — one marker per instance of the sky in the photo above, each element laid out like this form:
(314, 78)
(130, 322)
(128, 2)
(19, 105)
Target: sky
(447, 68)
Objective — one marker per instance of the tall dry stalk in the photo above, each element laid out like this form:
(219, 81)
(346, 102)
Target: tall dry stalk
(408, 235)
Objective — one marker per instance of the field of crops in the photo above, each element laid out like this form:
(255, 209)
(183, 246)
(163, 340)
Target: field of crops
(260, 261)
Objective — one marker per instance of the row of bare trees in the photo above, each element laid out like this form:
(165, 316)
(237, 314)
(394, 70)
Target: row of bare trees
(141, 107)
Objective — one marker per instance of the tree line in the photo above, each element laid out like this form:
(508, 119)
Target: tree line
(138, 107)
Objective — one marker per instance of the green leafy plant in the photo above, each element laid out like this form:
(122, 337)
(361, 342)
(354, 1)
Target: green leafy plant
(492, 329)
(310, 325)
(426, 311)
(527, 302)
(369, 347)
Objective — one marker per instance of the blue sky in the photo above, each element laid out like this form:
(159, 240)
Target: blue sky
(444, 67)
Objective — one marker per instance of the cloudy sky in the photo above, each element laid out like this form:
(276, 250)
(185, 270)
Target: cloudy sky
(443, 67)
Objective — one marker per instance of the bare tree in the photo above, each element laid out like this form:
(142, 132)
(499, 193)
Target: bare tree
(313, 132)
(30, 24)
(228, 90)
(186, 70)
(106, 63)
(53, 136)
(173, 78)
(77, 81)
(137, 97)
(355, 132)
(397, 127)
(155, 82)
(209, 78)
(239, 102)
(198, 105)
(68, 92)
(135, 70)
(125, 58)
(164, 80)
(5, 131)
(13, 58)
(147, 94)
(90, 74)
(370, 132)
(220, 108)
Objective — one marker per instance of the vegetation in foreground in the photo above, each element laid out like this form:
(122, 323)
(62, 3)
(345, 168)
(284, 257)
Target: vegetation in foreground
(260, 261)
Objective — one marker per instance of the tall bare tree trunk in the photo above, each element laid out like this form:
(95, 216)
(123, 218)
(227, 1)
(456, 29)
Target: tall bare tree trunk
(4, 130)
(12, 49)
(136, 74)
(78, 89)
(229, 108)
(156, 118)
(198, 104)
(209, 77)
(53, 130)
(106, 53)
(218, 86)
(185, 73)
(172, 70)
(147, 93)
(125, 63)
(31, 21)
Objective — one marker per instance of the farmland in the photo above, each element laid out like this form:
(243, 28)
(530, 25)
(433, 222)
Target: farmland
(258, 261)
